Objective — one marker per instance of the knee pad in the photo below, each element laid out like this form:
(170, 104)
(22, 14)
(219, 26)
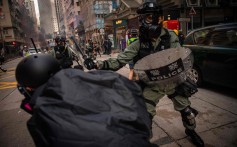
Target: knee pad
(188, 115)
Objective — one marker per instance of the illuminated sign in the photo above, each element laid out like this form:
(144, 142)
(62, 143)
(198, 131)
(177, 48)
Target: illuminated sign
(119, 21)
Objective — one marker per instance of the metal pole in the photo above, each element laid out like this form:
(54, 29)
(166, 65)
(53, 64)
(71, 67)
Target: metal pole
(192, 22)
(2, 37)
(187, 28)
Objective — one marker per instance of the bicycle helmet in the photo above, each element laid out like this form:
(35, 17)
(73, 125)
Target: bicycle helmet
(35, 70)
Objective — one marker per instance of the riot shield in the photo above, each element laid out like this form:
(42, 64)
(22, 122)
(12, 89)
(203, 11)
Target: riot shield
(78, 53)
(166, 67)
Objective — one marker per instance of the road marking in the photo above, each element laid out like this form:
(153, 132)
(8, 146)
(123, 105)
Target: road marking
(7, 85)
(7, 77)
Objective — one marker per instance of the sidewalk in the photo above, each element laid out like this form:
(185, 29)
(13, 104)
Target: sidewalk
(216, 121)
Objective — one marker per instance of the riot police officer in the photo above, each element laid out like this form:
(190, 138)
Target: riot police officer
(132, 38)
(62, 52)
(154, 38)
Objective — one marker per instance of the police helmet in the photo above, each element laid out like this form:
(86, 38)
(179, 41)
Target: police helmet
(149, 6)
(60, 39)
(134, 32)
(35, 70)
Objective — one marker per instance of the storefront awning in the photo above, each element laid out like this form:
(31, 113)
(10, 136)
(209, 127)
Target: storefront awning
(130, 3)
(169, 4)
(110, 16)
(127, 9)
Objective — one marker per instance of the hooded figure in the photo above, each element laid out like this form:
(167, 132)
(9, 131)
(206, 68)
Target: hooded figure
(73, 108)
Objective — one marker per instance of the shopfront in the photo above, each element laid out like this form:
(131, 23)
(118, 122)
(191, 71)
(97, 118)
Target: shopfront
(200, 13)
(120, 33)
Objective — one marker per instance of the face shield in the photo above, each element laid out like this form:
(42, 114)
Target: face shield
(147, 18)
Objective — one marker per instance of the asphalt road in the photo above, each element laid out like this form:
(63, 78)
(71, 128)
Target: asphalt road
(216, 122)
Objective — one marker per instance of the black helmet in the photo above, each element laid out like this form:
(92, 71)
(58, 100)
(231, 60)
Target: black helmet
(134, 32)
(149, 6)
(35, 70)
(60, 39)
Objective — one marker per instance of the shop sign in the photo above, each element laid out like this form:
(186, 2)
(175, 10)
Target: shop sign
(118, 22)
(184, 19)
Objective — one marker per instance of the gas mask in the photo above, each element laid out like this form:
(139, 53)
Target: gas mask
(149, 25)
(61, 45)
(149, 13)
(60, 50)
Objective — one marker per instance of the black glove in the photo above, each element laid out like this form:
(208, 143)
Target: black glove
(89, 64)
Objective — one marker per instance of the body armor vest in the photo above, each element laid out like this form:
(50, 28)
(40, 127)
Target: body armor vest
(62, 55)
(61, 52)
(147, 48)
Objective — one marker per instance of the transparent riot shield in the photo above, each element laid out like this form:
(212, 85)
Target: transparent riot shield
(166, 67)
(78, 53)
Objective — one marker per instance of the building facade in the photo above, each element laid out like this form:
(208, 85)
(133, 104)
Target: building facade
(15, 27)
(46, 19)
(123, 19)
(93, 13)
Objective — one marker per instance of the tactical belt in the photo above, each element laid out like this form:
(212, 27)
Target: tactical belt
(150, 102)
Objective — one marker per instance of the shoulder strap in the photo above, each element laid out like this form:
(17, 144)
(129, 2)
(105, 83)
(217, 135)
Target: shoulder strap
(165, 41)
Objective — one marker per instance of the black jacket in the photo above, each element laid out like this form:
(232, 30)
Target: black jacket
(94, 109)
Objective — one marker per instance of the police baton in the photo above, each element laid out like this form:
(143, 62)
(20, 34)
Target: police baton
(34, 44)
(78, 48)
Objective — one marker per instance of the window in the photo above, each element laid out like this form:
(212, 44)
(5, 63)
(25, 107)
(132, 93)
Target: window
(188, 40)
(216, 37)
(201, 37)
(224, 37)
(232, 36)
(5, 31)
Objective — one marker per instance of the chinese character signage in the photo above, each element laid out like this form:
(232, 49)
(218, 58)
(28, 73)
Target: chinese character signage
(165, 72)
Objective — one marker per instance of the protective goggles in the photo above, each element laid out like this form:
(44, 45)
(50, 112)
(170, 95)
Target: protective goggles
(148, 18)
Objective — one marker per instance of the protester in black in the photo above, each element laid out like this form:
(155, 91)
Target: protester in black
(109, 46)
(2, 59)
(69, 108)
(105, 45)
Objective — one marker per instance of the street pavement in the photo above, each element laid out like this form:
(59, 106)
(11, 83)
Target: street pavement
(216, 121)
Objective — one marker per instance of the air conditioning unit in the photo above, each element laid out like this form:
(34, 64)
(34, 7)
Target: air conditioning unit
(211, 3)
(193, 3)
(233, 2)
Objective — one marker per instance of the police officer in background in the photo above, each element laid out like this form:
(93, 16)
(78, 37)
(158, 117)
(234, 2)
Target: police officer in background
(132, 38)
(2, 59)
(154, 38)
(62, 52)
